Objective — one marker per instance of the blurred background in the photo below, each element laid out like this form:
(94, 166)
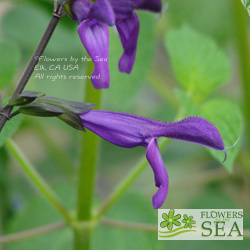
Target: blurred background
(196, 179)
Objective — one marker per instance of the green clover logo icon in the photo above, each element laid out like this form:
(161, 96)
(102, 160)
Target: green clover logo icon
(170, 219)
(188, 221)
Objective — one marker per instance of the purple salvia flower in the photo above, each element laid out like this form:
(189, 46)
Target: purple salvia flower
(127, 24)
(130, 131)
(95, 17)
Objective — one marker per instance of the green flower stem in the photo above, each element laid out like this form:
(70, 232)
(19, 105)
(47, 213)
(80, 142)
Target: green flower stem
(242, 43)
(82, 235)
(37, 179)
(87, 173)
(32, 232)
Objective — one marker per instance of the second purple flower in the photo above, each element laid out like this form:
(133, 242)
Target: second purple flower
(94, 17)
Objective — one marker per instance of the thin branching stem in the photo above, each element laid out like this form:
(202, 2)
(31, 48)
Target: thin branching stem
(37, 180)
(32, 232)
(58, 13)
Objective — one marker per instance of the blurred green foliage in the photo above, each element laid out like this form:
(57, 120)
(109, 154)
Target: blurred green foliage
(246, 3)
(9, 130)
(9, 62)
(199, 65)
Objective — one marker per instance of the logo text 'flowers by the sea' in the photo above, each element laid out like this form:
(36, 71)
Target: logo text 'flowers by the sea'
(200, 224)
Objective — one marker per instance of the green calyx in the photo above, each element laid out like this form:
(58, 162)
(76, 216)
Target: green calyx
(65, 110)
(40, 110)
(25, 98)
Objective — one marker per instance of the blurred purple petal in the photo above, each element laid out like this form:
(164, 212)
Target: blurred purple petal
(95, 38)
(128, 30)
(122, 8)
(161, 176)
(80, 9)
(103, 12)
(151, 5)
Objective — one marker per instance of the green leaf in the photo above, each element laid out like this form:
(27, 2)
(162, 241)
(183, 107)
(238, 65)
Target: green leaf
(227, 117)
(9, 129)
(246, 4)
(199, 65)
(124, 87)
(186, 102)
(9, 61)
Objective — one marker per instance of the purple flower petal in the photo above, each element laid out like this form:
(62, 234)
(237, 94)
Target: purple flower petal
(80, 9)
(128, 130)
(128, 30)
(117, 128)
(161, 176)
(95, 38)
(122, 8)
(103, 12)
(196, 130)
(151, 5)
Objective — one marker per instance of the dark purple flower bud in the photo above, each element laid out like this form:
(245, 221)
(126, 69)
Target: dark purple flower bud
(130, 131)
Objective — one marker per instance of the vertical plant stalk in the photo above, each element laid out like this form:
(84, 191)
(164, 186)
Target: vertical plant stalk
(87, 174)
(242, 43)
(37, 179)
(58, 13)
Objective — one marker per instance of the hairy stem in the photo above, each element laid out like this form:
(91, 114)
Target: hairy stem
(37, 180)
(58, 13)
